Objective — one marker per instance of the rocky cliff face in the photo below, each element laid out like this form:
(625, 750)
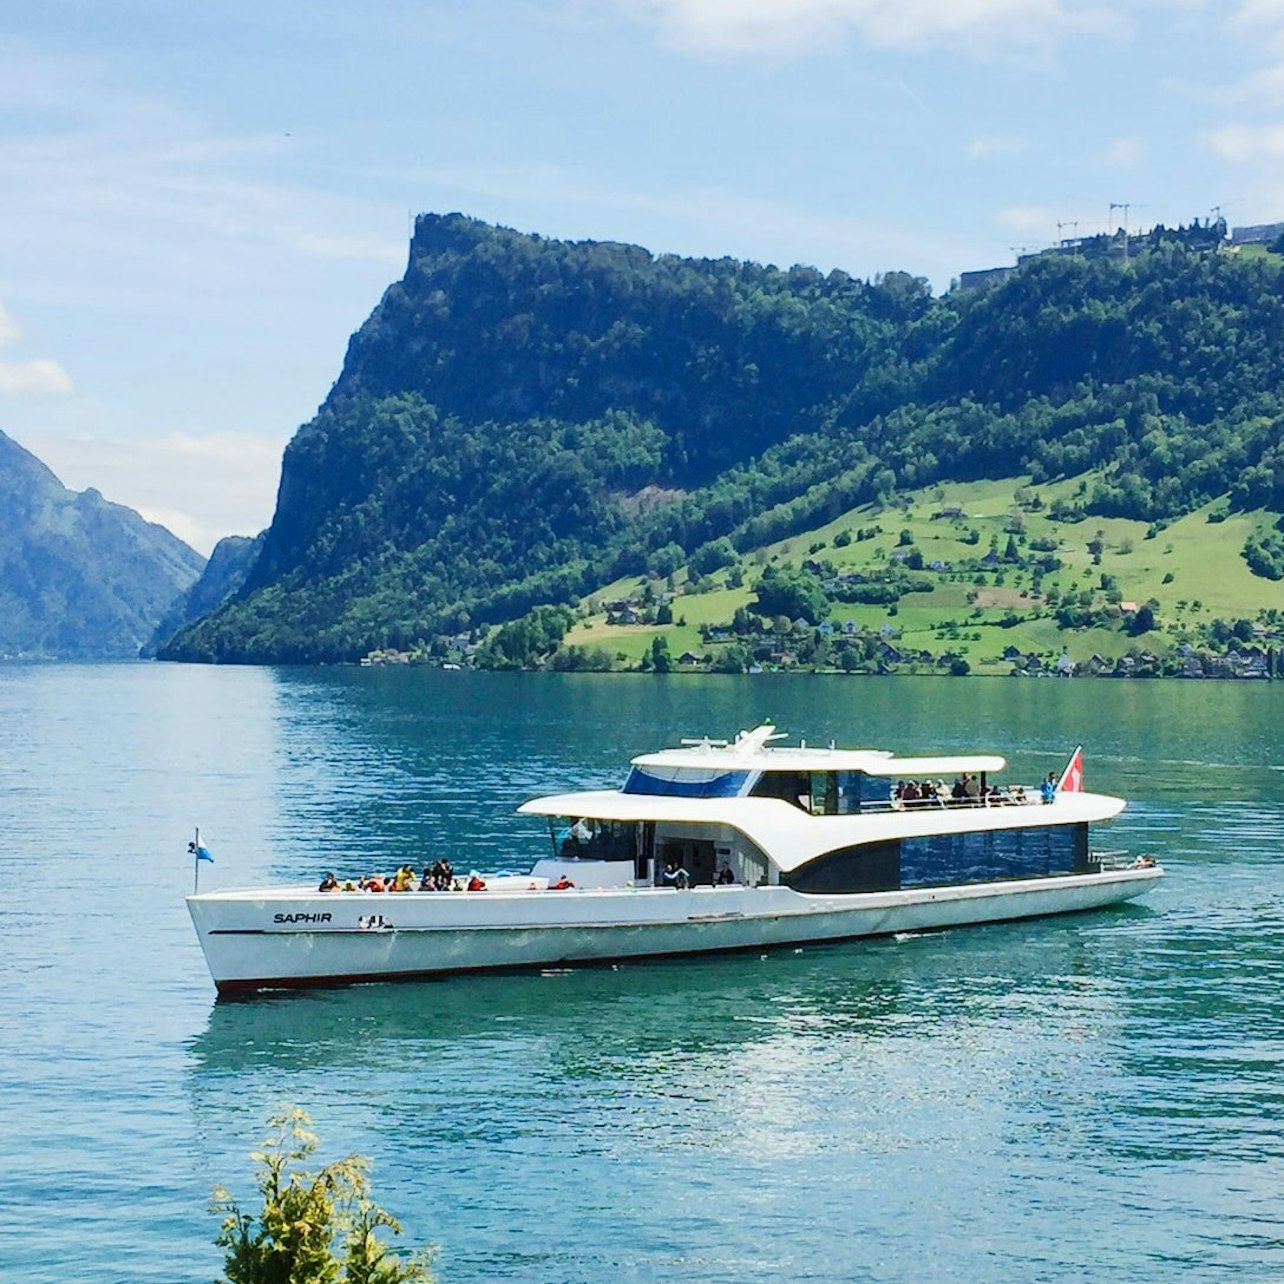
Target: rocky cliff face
(80, 578)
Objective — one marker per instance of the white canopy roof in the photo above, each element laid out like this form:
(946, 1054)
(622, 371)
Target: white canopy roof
(752, 751)
(790, 836)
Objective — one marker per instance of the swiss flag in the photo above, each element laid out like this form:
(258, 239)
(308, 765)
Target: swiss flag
(1071, 781)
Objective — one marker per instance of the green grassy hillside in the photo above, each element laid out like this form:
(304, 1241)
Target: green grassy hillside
(1191, 572)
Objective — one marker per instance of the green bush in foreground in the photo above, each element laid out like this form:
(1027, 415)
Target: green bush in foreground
(314, 1227)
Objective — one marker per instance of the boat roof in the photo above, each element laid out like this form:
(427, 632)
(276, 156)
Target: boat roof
(752, 751)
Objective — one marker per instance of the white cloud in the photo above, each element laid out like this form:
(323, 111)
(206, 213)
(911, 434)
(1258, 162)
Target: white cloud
(201, 487)
(1246, 144)
(1254, 15)
(1126, 153)
(9, 328)
(33, 379)
(1029, 220)
(371, 249)
(790, 26)
(995, 146)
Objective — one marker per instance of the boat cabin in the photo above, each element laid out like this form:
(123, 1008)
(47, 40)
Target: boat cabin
(710, 813)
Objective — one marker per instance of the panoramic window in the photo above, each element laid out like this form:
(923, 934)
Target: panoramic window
(686, 783)
(992, 855)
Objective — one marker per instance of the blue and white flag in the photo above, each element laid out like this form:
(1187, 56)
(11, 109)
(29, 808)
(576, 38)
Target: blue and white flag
(200, 851)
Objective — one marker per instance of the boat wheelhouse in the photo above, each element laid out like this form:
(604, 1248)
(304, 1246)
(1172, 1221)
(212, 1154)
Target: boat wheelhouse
(708, 847)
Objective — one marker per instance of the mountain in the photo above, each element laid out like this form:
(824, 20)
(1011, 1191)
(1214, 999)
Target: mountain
(522, 421)
(223, 575)
(80, 578)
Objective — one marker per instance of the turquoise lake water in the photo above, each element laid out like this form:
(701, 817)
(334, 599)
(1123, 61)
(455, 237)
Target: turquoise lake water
(1086, 1098)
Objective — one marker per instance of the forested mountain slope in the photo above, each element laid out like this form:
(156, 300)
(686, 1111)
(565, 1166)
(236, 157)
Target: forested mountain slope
(224, 573)
(522, 420)
(80, 578)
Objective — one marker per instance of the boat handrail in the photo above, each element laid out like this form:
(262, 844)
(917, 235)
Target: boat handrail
(1111, 859)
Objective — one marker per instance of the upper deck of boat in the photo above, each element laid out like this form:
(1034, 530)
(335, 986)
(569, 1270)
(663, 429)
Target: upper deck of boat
(752, 751)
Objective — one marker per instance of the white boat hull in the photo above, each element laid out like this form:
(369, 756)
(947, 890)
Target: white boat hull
(288, 938)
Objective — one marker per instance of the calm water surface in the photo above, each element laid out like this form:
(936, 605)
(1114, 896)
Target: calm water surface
(1078, 1099)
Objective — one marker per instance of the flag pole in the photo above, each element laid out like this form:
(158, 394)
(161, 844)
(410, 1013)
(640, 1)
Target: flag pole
(196, 862)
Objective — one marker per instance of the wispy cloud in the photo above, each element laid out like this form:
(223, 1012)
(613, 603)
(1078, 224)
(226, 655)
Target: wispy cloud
(1126, 153)
(1029, 220)
(38, 377)
(9, 328)
(995, 146)
(371, 249)
(1260, 23)
(791, 26)
(1246, 144)
(112, 177)
(171, 479)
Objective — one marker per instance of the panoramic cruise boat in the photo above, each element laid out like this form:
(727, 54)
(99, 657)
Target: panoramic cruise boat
(710, 847)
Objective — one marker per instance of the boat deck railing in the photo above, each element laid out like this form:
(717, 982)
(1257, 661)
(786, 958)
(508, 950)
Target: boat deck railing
(939, 803)
(1110, 860)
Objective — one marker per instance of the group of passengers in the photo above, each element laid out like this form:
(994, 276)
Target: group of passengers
(675, 876)
(438, 877)
(968, 790)
(914, 793)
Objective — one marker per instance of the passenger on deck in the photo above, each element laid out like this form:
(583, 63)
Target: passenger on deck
(577, 838)
(1048, 790)
(563, 884)
(972, 787)
(373, 883)
(404, 879)
(959, 792)
(475, 883)
(675, 876)
(443, 874)
(725, 877)
(329, 884)
(426, 883)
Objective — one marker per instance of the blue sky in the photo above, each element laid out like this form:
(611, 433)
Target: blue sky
(202, 202)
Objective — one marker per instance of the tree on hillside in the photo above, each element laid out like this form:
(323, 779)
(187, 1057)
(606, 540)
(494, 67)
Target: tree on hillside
(313, 1227)
(660, 659)
(792, 593)
(1142, 621)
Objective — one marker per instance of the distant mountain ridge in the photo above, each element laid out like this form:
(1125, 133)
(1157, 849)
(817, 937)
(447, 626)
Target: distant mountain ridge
(80, 578)
(224, 573)
(507, 419)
